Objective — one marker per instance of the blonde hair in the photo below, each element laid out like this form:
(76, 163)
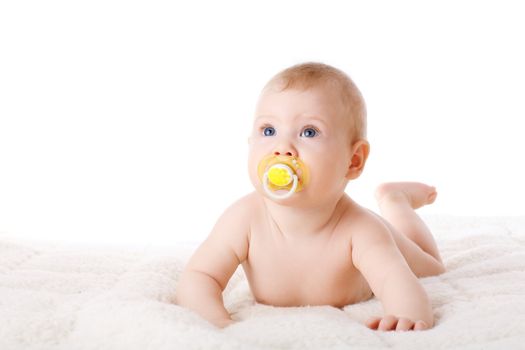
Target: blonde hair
(310, 74)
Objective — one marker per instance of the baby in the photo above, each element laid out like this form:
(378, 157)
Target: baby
(300, 238)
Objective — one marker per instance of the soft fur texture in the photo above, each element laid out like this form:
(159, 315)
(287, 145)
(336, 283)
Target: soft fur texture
(58, 296)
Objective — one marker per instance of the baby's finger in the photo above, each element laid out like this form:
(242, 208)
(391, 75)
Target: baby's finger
(388, 323)
(373, 322)
(404, 324)
(420, 326)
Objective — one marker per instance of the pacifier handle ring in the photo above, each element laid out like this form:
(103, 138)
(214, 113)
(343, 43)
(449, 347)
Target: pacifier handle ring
(274, 196)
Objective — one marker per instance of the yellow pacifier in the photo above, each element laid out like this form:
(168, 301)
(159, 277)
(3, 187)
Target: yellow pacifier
(279, 172)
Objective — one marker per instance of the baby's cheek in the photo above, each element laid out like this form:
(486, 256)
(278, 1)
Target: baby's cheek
(252, 171)
(328, 174)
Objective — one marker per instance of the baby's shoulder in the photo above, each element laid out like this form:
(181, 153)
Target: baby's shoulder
(246, 204)
(359, 221)
(358, 218)
(366, 229)
(244, 209)
(233, 226)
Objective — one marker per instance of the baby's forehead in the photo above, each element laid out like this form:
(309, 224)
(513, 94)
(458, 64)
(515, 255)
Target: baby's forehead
(318, 102)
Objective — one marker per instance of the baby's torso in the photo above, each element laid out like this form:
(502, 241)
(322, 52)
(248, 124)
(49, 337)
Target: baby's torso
(295, 272)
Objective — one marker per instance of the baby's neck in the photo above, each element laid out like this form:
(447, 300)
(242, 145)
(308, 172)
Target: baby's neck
(296, 222)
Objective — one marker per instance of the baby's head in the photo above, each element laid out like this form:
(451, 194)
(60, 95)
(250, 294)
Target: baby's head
(313, 114)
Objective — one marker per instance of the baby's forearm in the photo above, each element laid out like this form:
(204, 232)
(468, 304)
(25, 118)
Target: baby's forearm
(201, 293)
(404, 296)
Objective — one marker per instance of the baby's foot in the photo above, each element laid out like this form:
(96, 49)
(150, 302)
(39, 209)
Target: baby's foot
(417, 194)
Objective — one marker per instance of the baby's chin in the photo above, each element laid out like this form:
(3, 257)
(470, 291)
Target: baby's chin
(307, 198)
(298, 199)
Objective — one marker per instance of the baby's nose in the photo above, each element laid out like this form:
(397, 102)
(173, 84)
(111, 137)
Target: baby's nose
(288, 153)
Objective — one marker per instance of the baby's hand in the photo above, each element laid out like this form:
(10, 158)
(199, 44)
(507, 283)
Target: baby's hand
(392, 323)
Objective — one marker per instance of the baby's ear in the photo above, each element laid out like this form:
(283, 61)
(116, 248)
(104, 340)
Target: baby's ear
(359, 155)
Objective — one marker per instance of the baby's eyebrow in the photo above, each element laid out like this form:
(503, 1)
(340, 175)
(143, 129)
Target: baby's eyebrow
(264, 116)
(318, 119)
(299, 117)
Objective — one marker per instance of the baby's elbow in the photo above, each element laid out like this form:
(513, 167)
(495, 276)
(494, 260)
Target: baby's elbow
(185, 296)
(435, 270)
(439, 269)
(183, 290)
(178, 297)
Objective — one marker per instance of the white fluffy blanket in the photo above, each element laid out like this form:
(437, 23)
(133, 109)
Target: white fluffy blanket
(57, 296)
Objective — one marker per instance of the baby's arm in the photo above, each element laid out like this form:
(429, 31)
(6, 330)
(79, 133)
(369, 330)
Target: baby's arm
(405, 302)
(212, 265)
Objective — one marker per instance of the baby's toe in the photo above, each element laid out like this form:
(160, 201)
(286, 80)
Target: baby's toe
(420, 326)
(373, 322)
(387, 323)
(404, 324)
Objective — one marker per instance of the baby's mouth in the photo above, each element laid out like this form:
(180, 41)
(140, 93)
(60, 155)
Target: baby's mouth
(282, 176)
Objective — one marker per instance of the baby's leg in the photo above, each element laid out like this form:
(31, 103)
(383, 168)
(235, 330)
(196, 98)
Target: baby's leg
(397, 202)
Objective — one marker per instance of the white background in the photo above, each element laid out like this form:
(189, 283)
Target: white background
(126, 122)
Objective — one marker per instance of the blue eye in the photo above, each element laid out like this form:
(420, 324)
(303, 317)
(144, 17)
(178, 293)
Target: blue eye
(268, 131)
(309, 132)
